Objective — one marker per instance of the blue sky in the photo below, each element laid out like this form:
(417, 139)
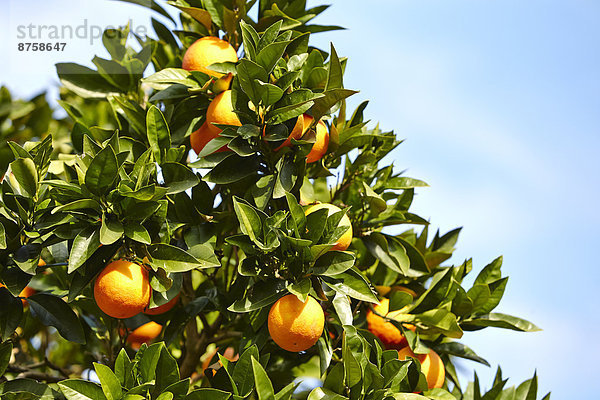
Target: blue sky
(498, 102)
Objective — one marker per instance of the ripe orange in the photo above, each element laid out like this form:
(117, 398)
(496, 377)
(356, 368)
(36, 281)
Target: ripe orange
(344, 241)
(144, 334)
(294, 325)
(200, 137)
(122, 289)
(321, 143)
(302, 124)
(390, 336)
(432, 366)
(162, 309)
(220, 111)
(206, 51)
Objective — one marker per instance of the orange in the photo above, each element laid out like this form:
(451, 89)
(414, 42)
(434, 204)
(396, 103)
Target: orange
(144, 334)
(344, 241)
(200, 137)
(432, 366)
(302, 124)
(162, 309)
(122, 289)
(206, 51)
(390, 336)
(294, 325)
(220, 111)
(321, 143)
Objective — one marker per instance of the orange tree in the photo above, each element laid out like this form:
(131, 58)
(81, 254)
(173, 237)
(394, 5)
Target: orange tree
(253, 269)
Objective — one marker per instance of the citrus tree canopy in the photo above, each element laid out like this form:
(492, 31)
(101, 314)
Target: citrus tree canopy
(210, 221)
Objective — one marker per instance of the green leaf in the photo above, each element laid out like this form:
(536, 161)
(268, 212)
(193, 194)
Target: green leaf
(84, 245)
(138, 233)
(263, 294)
(178, 177)
(80, 204)
(292, 105)
(229, 171)
(443, 320)
(249, 219)
(270, 55)
(167, 371)
(173, 259)
(330, 98)
(333, 263)
(123, 367)
(78, 389)
(402, 182)
(324, 394)
(460, 350)
(343, 309)
(2, 237)
(399, 300)
(110, 231)
(375, 200)
(208, 393)
(353, 284)
(52, 311)
(242, 373)
(249, 73)
(270, 94)
(335, 73)
(500, 320)
(158, 133)
(490, 273)
(102, 172)
(264, 387)
(26, 175)
(5, 353)
(109, 381)
(151, 4)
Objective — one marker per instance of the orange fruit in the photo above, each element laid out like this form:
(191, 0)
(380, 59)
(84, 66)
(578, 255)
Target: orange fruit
(344, 241)
(302, 124)
(432, 366)
(294, 325)
(122, 289)
(200, 138)
(321, 143)
(390, 336)
(41, 263)
(206, 51)
(162, 309)
(220, 111)
(144, 334)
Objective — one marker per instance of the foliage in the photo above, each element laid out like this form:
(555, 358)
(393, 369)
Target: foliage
(226, 230)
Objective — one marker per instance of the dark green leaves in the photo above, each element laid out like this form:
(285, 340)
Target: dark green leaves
(10, 313)
(78, 389)
(52, 311)
(158, 133)
(174, 259)
(109, 382)
(84, 245)
(26, 175)
(102, 172)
